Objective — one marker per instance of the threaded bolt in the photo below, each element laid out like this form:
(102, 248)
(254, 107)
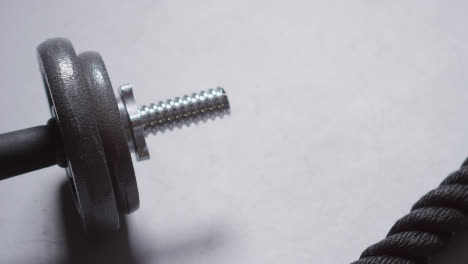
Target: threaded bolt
(142, 121)
(184, 110)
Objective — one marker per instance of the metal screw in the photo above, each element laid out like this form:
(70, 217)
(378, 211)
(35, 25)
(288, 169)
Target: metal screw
(142, 121)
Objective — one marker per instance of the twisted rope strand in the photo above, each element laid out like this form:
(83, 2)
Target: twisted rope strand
(427, 229)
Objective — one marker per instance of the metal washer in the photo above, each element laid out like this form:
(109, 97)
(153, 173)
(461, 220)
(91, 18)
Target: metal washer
(112, 131)
(86, 162)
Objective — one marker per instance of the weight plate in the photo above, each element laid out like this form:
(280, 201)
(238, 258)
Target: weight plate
(71, 105)
(112, 131)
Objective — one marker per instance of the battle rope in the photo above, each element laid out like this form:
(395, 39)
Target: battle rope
(427, 229)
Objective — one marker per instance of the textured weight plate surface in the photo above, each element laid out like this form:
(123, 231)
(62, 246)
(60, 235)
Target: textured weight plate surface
(112, 131)
(71, 105)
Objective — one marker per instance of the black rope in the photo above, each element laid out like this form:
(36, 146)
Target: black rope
(427, 229)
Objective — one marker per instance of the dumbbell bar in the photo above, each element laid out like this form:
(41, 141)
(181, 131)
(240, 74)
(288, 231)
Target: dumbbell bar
(92, 132)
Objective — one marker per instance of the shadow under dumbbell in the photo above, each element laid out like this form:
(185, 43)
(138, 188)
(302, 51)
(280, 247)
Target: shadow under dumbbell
(115, 248)
(456, 252)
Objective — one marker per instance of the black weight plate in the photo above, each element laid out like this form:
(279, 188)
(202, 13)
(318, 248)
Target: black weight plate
(72, 107)
(112, 131)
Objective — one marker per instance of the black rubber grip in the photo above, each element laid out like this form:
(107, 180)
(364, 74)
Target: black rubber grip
(30, 149)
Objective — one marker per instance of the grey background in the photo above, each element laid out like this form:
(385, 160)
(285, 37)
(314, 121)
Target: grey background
(343, 114)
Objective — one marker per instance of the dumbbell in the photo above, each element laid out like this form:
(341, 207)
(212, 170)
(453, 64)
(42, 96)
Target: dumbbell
(93, 132)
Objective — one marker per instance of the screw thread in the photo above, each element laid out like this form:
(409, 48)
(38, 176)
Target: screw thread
(184, 111)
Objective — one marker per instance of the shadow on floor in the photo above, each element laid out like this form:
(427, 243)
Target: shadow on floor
(116, 248)
(81, 249)
(456, 252)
